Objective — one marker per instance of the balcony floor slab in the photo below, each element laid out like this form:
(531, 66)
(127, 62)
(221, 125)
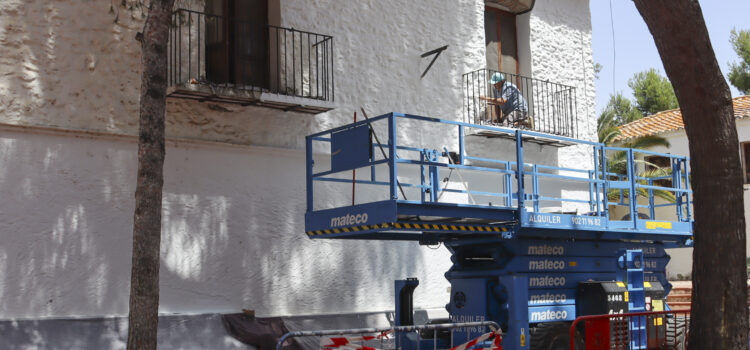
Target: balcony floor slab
(249, 96)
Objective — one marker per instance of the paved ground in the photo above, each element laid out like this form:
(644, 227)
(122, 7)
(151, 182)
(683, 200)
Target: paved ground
(681, 284)
(175, 332)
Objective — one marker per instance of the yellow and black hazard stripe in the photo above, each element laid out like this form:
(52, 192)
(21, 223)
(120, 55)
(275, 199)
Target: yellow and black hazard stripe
(413, 226)
(449, 227)
(348, 229)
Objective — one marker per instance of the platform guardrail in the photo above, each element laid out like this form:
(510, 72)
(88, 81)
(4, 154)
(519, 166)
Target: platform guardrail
(411, 173)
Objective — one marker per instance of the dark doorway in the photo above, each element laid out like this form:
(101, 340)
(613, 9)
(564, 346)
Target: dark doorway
(746, 160)
(501, 40)
(237, 42)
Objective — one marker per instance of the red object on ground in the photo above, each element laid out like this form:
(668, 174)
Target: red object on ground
(597, 334)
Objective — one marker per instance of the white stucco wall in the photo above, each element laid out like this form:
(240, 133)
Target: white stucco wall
(560, 41)
(232, 238)
(234, 178)
(74, 67)
(560, 44)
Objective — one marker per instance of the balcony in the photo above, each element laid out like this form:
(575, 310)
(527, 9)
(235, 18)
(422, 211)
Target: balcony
(544, 107)
(221, 59)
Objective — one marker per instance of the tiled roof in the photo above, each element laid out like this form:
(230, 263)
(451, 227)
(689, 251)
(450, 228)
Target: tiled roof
(672, 120)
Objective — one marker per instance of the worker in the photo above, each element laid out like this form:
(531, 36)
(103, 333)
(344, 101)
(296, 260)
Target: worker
(508, 103)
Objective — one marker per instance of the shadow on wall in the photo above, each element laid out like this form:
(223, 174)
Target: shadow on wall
(71, 65)
(175, 332)
(233, 235)
(74, 67)
(373, 69)
(64, 223)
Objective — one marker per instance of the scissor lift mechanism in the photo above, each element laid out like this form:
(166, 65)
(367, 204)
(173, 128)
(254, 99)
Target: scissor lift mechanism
(514, 262)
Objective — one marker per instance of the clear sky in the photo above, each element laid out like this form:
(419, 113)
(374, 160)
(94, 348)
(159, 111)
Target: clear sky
(633, 47)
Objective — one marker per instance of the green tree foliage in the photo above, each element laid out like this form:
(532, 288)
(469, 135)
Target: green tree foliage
(606, 128)
(597, 69)
(739, 72)
(653, 92)
(617, 163)
(619, 111)
(614, 195)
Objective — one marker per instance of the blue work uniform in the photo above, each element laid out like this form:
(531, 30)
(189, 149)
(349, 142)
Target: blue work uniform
(512, 96)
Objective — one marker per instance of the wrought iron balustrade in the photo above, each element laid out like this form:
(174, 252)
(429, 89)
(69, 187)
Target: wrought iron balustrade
(243, 58)
(550, 107)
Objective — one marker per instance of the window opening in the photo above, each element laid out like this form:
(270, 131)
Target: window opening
(237, 42)
(657, 163)
(745, 147)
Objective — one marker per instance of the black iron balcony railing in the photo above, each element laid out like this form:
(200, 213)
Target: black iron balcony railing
(545, 107)
(242, 56)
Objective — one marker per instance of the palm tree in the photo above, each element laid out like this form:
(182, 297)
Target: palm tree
(617, 162)
(607, 127)
(613, 195)
(619, 111)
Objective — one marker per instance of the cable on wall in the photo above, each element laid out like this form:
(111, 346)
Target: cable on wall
(614, 46)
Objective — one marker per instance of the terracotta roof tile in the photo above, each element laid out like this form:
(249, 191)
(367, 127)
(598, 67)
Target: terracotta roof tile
(672, 120)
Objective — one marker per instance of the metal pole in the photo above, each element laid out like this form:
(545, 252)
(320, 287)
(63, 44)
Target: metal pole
(519, 173)
(392, 151)
(633, 197)
(308, 169)
(354, 171)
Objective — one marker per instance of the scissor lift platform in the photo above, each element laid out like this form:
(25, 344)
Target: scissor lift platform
(387, 164)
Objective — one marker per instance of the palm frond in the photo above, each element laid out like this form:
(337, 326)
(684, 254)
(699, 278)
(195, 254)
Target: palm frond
(647, 142)
(606, 136)
(613, 195)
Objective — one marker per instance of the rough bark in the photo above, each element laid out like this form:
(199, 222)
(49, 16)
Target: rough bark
(144, 279)
(719, 304)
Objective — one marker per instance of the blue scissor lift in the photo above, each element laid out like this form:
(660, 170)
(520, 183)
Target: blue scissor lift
(526, 241)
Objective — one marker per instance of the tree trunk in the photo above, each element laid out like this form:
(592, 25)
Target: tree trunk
(144, 279)
(719, 307)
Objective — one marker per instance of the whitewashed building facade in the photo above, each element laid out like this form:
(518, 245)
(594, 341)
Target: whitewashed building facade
(234, 190)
